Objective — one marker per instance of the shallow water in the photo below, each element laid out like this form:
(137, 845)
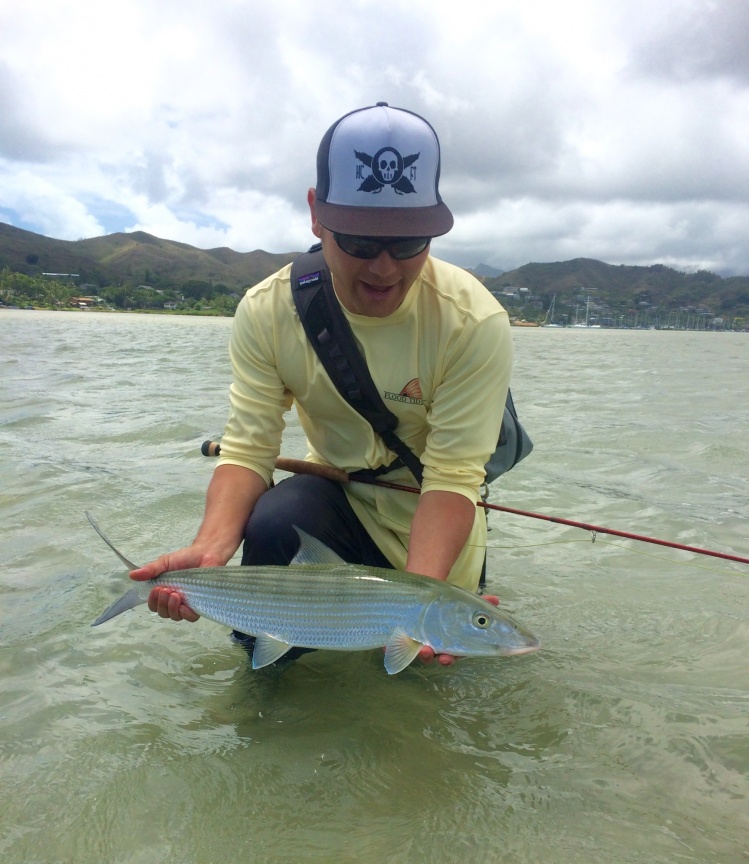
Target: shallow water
(623, 740)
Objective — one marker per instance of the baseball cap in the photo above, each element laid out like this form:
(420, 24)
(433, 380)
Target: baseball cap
(378, 172)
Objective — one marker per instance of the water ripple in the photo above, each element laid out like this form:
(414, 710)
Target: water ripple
(142, 741)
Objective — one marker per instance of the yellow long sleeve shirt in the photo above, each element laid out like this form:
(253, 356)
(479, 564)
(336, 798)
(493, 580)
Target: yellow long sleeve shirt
(442, 364)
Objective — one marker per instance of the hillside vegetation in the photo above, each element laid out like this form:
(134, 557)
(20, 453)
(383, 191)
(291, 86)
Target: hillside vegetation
(620, 295)
(133, 270)
(140, 271)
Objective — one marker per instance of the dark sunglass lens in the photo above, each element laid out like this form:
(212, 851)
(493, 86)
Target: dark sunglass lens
(358, 247)
(408, 247)
(371, 247)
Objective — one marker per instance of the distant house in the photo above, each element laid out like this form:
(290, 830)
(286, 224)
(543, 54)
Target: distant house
(170, 304)
(506, 294)
(86, 302)
(514, 293)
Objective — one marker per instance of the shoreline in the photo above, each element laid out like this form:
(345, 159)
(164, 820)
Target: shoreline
(212, 314)
(182, 312)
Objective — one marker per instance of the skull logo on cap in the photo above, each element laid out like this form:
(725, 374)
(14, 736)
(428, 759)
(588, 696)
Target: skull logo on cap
(387, 167)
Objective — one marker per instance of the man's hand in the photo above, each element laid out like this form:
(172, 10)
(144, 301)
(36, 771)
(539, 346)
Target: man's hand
(164, 601)
(427, 655)
(170, 604)
(232, 493)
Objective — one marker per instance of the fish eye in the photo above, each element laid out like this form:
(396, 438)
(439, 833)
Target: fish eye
(481, 619)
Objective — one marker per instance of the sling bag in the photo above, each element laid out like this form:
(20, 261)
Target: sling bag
(330, 335)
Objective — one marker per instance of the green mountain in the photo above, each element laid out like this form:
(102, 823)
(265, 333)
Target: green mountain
(618, 292)
(612, 295)
(134, 259)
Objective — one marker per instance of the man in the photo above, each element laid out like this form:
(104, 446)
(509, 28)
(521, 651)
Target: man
(436, 343)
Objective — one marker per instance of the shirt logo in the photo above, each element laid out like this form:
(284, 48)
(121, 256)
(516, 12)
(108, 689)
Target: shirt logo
(410, 393)
(388, 169)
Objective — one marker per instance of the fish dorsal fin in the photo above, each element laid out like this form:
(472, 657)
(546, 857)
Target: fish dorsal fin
(314, 551)
(400, 651)
(267, 650)
(128, 564)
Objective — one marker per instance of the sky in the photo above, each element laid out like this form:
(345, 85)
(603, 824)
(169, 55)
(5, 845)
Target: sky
(607, 129)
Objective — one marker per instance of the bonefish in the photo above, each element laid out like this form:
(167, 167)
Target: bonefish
(320, 601)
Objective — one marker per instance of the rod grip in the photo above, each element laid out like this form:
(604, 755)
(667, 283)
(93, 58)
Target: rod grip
(300, 466)
(293, 466)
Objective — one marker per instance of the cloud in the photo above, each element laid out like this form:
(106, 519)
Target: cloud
(707, 41)
(22, 136)
(44, 205)
(688, 236)
(617, 131)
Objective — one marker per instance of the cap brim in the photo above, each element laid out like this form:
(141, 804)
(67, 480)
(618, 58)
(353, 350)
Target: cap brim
(385, 221)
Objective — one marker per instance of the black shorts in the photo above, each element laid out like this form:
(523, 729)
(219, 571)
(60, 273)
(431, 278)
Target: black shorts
(317, 506)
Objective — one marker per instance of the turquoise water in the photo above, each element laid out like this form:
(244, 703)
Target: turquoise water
(623, 740)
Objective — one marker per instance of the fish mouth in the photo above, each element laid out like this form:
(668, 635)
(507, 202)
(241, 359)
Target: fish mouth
(528, 648)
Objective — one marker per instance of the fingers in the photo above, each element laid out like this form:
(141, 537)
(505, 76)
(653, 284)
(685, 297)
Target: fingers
(183, 559)
(166, 602)
(170, 604)
(491, 598)
(162, 564)
(143, 574)
(427, 656)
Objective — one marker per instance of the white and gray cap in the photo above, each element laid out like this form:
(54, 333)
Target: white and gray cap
(378, 172)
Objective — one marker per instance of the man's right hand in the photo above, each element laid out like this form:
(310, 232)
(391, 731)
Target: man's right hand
(166, 602)
(232, 493)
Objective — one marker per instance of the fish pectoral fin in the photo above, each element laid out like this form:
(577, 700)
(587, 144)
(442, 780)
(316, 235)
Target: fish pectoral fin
(267, 650)
(400, 650)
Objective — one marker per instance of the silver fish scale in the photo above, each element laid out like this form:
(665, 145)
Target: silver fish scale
(344, 607)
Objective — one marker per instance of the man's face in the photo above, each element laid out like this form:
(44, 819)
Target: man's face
(375, 287)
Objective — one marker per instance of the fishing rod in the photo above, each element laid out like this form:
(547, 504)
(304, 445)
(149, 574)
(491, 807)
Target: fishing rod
(300, 466)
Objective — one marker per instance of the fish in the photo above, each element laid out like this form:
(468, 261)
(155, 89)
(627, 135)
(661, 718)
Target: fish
(320, 601)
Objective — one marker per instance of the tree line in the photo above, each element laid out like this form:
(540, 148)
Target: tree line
(55, 292)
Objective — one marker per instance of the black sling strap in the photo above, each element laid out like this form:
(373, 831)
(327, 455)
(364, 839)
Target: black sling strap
(330, 335)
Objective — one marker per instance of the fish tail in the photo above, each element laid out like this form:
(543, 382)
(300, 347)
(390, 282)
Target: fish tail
(129, 564)
(129, 600)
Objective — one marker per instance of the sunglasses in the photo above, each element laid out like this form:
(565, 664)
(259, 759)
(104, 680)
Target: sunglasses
(399, 248)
